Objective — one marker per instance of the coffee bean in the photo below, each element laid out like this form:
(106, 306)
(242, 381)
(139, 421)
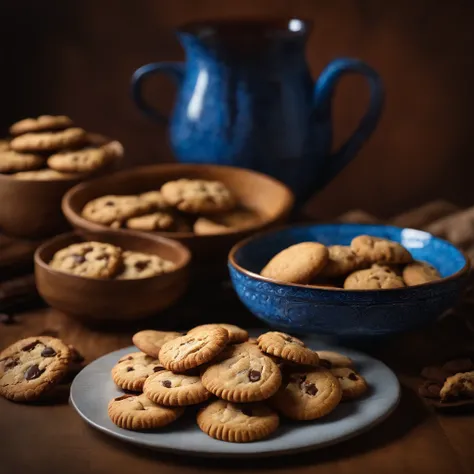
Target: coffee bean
(310, 389)
(33, 372)
(48, 352)
(166, 383)
(353, 376)
(254, 375)
(29, 347)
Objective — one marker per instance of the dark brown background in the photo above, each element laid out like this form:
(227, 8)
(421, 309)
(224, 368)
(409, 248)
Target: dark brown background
(76, 57)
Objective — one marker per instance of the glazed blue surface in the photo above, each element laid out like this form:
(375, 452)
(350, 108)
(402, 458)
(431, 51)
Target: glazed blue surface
(341, 313)
(246, 98)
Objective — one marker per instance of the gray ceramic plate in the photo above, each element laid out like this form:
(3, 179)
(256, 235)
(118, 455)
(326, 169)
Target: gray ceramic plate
(93, 388)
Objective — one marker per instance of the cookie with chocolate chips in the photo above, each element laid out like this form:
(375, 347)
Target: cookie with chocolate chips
(236, 334)
(150, 341)
(331, 359)
(31, 367)
(353, 385)
(143, 265)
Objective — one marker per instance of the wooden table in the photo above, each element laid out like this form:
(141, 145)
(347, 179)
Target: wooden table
(52, 438)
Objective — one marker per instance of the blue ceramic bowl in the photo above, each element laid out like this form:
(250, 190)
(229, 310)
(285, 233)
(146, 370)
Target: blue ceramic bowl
(345, 314)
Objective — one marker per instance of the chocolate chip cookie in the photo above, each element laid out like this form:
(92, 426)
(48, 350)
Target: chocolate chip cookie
(156, 199)
(159, 220)
(236, 334)
(418, 273)
(41, 123)
(12, 161)
(461, 384)
(49, 141)
(88, 259)
(150, 341)
(342, 260)
(330, 359)
(353, 385)
(377, 250)
(197, 196)
(142, 265)
(31, 367)
(373, 279)
(79, 161)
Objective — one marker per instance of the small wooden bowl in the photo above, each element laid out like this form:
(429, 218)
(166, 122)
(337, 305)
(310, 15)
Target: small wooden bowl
(266, 196)
(94, 299)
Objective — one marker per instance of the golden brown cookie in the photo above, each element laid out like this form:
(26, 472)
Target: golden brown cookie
(376, 250)
(331, 359)
(193, 350)
(88, 259)
(417, 273)
(143, 265)
(41, 123)
(241, 373)
(225, 222)
(234, 423)
(353, 385)
(156, 199)
(31, 367)
(79, 161)
(167, 388)
(137, 412)
(287, 347)
(43, 175)
(236, 334)
(13, 161)
(197, 196)
(155, 221)
(133, 369)
(299, 263)
(150, 341)
(458, 385)
(49, 141)
(308, 395)
(373, 279)
(342, 260)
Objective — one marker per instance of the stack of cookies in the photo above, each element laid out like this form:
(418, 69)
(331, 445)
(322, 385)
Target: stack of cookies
(183, 205)
(52, 147)
(106, 261)
(369, 263)
(244, 384)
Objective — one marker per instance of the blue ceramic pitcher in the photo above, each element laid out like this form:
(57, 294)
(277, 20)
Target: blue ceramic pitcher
(246, 98)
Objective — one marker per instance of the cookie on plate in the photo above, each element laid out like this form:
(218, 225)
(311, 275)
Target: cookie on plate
(142, 265)
(236, 334)
(353, 385)
(461, 384)
(377, 250)
(241, 373)
(193, 350)
(158, 220)
(88, 259)
(331, 359)
(287, 347)
(131, 371)
(43, 175)
(12, 161)
(49, 141)
(167, 388)
(198, 196)
(32, 366)
(417, 273)
(41, 123)
(299, 263)
(235, 423)
(137, 412)
(342, 260)
(225, 222)
(150, 341)
(308, 395)
(373, 279)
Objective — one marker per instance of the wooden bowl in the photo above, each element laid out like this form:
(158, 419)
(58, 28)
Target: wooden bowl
(94, 299)
(268, 197)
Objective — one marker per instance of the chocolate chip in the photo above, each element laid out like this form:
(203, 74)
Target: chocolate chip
(129, 358)
(247, 411)
(109, 203)
(29, 347)
(141, 265)
(325, 363)
(288, 339)
(11, 363)
(352, 376)
(48, 352)
(166, 383)
(33, 372)
(254, 375)
(78, 258)
(122, 397)
(129, 369)
(158, 369)
(310, 389)
(7, 318)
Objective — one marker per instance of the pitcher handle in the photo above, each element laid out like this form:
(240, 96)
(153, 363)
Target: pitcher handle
(173, 69)
(323, 93)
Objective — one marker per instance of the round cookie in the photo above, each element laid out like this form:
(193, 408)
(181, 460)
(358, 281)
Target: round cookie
(32, 366)
(88, 259)
(330, 359)
(43, 175)
(193, 350)
(166, 388)
(376, 250)
(49, 141)
(352, 384)
(235, 423)
(79, 161)
(286, 347)
(137, 412)
(236, 334)
(109, 209)
(417, 273)
(242, 374)
(342, 260)
(149, 222)
(299, 263)
(221, 223)
(373, 279)
(131, 371)
(150, 341)
(156, 199)
(142, 265)
(197, 196)
(308, 395)
(41, 123)
(12, 161)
